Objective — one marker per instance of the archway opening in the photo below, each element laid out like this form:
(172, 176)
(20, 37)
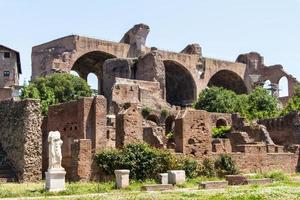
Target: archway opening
(153, 118)
(170, 124)
(228, 80)
(180, 85)
(92, 62)
(221, 122)
(283, 87)
(93, 82)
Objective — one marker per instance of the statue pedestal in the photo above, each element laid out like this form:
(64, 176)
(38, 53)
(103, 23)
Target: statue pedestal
(55, 180)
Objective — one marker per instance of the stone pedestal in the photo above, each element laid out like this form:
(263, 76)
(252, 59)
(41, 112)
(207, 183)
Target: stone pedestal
(122, 178)
(163, 178)
(176, 176)
(55, 180)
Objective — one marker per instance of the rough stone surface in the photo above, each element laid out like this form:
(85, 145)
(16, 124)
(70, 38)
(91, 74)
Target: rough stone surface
(21, 138)
(236, 179)
(157, 187)
(213, 185)
(81, 160)
(150, 67)
(129, 126)
(192, 133)
(259, 181)
(176, 177)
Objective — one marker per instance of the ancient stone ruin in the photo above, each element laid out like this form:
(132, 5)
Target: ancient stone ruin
(145, 94)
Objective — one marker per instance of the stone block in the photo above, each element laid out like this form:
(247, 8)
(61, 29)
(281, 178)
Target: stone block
(122, 178)
(55, 180)
(176, 176)
(163, 178)
(157, 187)
(213, 184)
(236, 179)
(259, 181)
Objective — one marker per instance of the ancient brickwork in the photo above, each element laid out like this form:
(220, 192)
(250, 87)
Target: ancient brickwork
(82, 119)
(284, 130)
(81, 160)
(21, 137)
(129, 126)
(192, 133)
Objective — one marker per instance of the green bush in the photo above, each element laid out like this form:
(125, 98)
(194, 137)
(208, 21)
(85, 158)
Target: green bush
(189, 165)
(170, 135)
(142, 160)
(224, 165)
(293, 103)
(220, 132)
(276, 175)
(207, 168)
(146, 112)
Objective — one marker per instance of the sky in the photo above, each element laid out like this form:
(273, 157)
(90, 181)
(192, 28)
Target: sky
(224, 29)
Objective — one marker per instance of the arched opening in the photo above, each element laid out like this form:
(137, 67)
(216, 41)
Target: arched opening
(93, 82)
(283, 87)
(221, 122)
(74, 73)
(228, 80)
(153, 118)
(180, 85)
(92, 62)
(267, 85)
(169, 124)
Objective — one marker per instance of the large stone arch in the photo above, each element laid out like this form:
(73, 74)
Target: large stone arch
(92, 62)
(181, 89)
(228, 80)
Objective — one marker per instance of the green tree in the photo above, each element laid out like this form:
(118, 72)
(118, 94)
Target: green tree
(216, 99)
(293, 103)
(257, 105)
(261, 104)
(56, 88)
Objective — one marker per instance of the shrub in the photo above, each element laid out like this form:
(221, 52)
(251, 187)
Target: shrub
(207, 168)
(220, 132)
(224, 165)
(142, 160)
(146, 112)
(164, 113)
(170, 135)
(189, 165)
(276, 175)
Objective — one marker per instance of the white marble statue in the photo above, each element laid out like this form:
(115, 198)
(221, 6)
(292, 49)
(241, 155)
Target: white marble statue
(55, 155)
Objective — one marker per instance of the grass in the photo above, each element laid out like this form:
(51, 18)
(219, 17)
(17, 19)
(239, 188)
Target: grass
(283, 188)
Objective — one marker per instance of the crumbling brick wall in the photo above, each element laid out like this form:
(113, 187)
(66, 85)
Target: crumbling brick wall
(81, 119)
(192, 133)
(21, 137)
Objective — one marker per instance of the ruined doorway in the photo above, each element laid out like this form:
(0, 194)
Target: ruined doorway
(180, 85)
(228, 80)
(92, 62)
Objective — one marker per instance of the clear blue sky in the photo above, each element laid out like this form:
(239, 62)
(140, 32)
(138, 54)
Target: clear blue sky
(224, 29)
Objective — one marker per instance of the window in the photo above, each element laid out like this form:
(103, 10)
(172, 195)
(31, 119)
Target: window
(6, 55)
(6, 73)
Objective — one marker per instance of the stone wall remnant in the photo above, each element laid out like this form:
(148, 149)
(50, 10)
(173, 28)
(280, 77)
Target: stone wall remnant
(20, 138)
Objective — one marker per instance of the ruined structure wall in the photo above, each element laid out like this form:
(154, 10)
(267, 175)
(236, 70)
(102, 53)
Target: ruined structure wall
(5, 93)
(82, 119)
(20, 137)
(61, 54)
(192, 133)
(284, 130)
(250, 163)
